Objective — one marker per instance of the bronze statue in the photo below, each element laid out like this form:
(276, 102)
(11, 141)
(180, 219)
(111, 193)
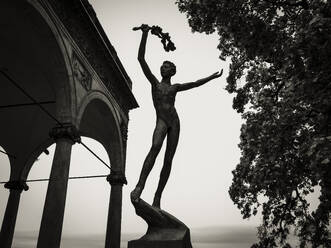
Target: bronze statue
(167, 123)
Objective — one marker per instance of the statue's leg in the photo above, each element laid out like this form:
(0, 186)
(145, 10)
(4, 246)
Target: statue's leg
(158, 137)
(172, 141)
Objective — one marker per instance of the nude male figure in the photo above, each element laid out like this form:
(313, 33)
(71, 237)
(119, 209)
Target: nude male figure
(167, 123)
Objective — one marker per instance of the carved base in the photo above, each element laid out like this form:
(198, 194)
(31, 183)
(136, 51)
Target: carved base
(168, 239)
(164, 230)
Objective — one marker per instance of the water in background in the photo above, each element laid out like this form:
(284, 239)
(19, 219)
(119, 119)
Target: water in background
(211, 237)
(82, 243)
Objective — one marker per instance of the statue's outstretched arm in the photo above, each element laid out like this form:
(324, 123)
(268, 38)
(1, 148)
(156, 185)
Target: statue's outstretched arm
(141, 55)
(187, 86)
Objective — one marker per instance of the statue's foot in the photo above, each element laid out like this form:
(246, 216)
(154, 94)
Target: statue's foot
(135, 194)
(157, 202)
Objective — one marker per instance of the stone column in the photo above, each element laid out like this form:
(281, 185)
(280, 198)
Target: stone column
(52, 218)
(113, 235)
(9, 220)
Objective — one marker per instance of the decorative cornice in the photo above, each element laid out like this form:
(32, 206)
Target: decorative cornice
(17, 185)
(116, 178)
(65, 131)
(80, 20)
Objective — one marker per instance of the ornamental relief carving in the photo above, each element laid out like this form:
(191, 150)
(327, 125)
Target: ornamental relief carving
(80, 73)
(124, 131)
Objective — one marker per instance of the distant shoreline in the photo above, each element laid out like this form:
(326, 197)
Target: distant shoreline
(206, 237)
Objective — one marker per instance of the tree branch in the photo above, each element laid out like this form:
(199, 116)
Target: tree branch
(303, 4)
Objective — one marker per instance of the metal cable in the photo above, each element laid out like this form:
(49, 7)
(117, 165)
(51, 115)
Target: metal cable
(69, 178)
(95, 155)
(9, 155)
(24, 104)
(30, 97)
(47, 112)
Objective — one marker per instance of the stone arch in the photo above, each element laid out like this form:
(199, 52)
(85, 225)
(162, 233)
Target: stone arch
(33, 156)
(34, 54)
(5, 164)
(98, 119)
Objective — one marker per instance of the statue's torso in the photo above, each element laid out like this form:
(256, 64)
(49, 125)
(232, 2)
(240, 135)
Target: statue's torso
(164, 102)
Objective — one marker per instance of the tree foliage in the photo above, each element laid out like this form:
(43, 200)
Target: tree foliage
(280, 75)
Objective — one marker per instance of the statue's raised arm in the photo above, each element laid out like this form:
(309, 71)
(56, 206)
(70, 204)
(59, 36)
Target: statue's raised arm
(168, 45)
(141, 54)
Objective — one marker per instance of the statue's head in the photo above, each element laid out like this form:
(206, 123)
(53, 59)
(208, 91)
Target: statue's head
(168, 69)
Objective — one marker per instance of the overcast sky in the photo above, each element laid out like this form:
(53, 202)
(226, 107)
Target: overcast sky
(197, 191)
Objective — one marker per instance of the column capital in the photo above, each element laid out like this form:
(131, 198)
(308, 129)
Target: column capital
(65, 131)
(116, 178)
(17, 185)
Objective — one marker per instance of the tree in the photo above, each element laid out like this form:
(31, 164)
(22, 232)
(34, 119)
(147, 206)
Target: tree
(280, 75)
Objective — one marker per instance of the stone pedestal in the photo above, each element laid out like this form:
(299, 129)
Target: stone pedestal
(164, 230)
